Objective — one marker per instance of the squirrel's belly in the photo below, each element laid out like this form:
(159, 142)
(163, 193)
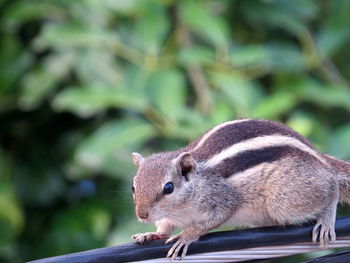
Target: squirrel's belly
(250, 216)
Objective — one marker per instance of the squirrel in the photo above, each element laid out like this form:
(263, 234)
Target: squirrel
(246, 172)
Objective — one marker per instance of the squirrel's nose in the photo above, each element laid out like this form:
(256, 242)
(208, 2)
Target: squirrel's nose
(142, 212)
(143, 215)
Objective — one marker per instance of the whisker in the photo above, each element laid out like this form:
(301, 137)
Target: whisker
(172, 217)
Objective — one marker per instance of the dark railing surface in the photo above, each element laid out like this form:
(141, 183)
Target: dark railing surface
(340, 257)
(211, 242)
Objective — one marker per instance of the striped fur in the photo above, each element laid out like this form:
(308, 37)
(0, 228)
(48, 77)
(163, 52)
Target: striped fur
(244, 160)
(255, 144)
(242, 144)
(211, 132)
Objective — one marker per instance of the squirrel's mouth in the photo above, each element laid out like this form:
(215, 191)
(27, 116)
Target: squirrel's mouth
(145, 220)
(145, 217)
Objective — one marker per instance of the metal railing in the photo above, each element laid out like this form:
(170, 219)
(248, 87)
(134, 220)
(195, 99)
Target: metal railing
(226, 246)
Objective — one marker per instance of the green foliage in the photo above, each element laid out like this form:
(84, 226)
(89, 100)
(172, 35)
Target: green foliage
(85, 83)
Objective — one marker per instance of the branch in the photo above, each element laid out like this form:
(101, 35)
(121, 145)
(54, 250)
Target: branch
(194, 70)
(217, 243)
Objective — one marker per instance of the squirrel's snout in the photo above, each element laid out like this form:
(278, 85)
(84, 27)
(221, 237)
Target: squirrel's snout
(143, 216)
(142, 213)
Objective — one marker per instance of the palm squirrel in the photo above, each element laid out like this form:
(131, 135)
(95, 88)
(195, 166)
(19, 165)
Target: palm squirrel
(246, 172)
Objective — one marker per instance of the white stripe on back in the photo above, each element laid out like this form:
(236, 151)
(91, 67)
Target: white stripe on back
(261, 142)
(215, 129)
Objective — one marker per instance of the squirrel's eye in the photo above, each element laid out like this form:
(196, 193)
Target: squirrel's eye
(133, 189)
(168, 188)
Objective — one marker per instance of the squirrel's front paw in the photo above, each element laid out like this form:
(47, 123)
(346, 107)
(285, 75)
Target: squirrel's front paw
(141, 238)
(183, 241)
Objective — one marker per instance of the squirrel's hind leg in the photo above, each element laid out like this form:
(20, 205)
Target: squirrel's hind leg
(301, 190)
(324, 230)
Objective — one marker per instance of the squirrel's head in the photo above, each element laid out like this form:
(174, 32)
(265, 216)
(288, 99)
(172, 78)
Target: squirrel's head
(162, 184)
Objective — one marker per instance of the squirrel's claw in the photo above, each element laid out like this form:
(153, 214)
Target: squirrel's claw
(172, 238)
(182, 242)
(324, 232)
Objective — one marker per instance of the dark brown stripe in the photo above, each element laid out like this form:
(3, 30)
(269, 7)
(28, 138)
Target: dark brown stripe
(239, 132)
(251, 158)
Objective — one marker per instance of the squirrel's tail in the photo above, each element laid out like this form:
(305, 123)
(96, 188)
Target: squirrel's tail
(342, 168)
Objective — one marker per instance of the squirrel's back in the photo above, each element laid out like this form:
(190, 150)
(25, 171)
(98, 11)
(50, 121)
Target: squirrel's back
(238, 145)
(231, 133)
(235, 146)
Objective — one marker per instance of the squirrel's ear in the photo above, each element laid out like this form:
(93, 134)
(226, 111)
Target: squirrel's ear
(185, 164)
(137, 158)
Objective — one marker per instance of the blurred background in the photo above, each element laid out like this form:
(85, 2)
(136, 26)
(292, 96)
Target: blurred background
(85, 83)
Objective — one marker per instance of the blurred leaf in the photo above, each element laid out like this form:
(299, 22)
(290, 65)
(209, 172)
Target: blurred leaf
(325, 96)
(330, 40)
(301, 9)
(196, 15)
(110, 138)
(196, 55)
(4, 167)
(129, 227)
(167, 91)
(13, 62)
(39, 83)
(338, 13)
(223, 110)
(284, 14)
(82, 226)
(335, 31)
(190, 125)
(301, 124)
(95, 14)
(123, 6)
(46, 184)
(97, 67)
(88, 101)
(275, 105)
(249, 55)
(11, 217)
(72, 35)
(152, 27)
(135, 80)
(128, 93)
(243, 93)
(285, 57)
(339, 141)
(307, 125)
(23, 11)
